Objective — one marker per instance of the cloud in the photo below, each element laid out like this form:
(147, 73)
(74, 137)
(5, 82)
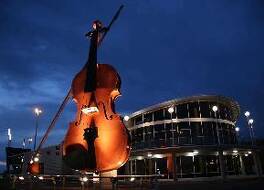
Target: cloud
(2, 163)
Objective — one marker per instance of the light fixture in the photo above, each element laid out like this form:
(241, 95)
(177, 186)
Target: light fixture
(21, 178)
(36, 159)
(37, 111)
(171, 110)
(84, 179)
(214, 108)
(235, 151)
(31, 162)
(250, 121)
(195, 152)
(132, 179)
(126, 117)
(41, 177)
(249, 152)
(149, 155)
(247, 113)
(157, 156)
(246, 154)
(237, 129)
(89, 110)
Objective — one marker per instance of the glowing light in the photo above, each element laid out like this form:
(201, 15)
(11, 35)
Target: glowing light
(251, 121)
(21, 178)
(246, 154)
(247, 113)
(89, 110)
(149, 155)
(36, 159)
(41, 177)
(215, 108)
(249, 152)
(195, 152)
(235, 151)
(9, 134)
(140, 157)
(189, 154)
(126, 118)
(84, 179)
(37, 111)
(157, 156)
(171, 110)
(31, 162)
(132, 179)
(237, 129)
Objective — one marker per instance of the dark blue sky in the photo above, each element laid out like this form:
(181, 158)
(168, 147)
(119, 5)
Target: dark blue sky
(162, 50)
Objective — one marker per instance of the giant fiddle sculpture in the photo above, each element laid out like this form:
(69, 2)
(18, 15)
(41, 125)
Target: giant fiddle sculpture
(97, 140)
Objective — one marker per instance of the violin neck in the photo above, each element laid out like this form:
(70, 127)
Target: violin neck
(90, 83)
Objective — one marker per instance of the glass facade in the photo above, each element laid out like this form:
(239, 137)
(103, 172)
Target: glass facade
(195, 139)
(190, 123)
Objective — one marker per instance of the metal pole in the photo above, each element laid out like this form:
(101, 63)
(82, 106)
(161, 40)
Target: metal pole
(172, 130)
(36, 132)
(217, 131)
(252, 134)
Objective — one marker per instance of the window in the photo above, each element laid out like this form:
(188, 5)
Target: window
(182, 111)
(138, 120)
(194, 110)
(205, 110)
(158, 115)
(148, 117)
(159, 132)
(196, 129)
(209, 133)
(139, 134)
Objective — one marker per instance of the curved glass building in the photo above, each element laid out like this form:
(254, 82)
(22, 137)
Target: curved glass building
(189, 137)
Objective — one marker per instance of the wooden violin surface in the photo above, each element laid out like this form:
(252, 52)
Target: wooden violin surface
(112, 142)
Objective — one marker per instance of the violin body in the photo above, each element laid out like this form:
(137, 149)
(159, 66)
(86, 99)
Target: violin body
(109, 149)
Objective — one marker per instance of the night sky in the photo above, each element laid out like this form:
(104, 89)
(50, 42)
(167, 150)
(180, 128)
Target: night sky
(161, 49)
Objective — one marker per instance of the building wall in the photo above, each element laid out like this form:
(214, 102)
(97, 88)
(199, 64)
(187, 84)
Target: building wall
(192, 122)
(189, 140)
(50, 159)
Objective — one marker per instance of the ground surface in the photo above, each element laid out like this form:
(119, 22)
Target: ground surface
(238, 184)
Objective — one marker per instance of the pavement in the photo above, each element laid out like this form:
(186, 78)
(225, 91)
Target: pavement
(229, 184)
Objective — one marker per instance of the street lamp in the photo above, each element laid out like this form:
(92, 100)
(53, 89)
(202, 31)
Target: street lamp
(237, 129)
(37, 112)
(215, 109)
(250, 125)
(250, 122)
(247, 113)
(171, 110)
(126, 118)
